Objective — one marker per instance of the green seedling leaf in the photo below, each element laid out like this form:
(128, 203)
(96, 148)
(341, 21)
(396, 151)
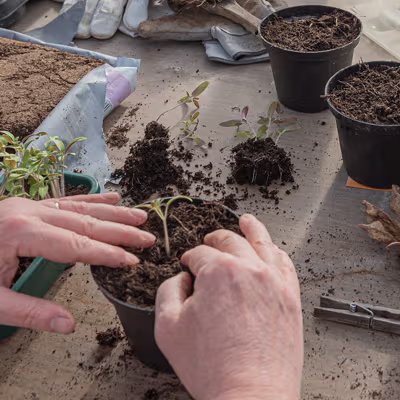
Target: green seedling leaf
(184, 100)
(243, 134)
(230, 123)
(194, 116)
(200, 89)
(261, 131)
(9, 137)
(273, 108)
(43, 190)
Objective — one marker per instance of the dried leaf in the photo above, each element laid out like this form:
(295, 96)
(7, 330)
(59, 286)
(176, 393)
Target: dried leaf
(395, 202)
(244, 112)
(376, 231)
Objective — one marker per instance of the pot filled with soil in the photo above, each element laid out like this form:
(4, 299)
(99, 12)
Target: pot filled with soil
(132, 291)
(365, 100)
(307, 45)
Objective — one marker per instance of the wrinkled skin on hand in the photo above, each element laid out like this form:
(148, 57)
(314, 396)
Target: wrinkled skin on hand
(239, 335)
(88, 229)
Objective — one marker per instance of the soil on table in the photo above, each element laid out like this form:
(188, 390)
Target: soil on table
(372, 94)
(261, 162)
(109, 337)
(25, 262)
(33, 80)
(149, 169)
(187, 224)
(312, 33)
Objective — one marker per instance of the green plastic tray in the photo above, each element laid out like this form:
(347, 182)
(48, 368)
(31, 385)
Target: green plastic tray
(42, 273)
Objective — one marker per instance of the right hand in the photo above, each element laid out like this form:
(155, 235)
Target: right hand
(239, 335)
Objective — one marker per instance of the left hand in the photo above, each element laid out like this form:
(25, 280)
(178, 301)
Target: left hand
(88, 229)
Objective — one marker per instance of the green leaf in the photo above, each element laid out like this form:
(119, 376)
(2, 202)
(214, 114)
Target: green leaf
(230, 123)
(194, 116)
(243, 134)
(33, 190)
(200, 89)
(198, 140)
(263, 121)
(43, 190)
(261, 131)
(9, 137)
(273, 108)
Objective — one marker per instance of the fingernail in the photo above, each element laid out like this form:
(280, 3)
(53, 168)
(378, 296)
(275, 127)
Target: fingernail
(148, 238)
(247, 216)
(139, 214)
(62, 325)
(131, 259)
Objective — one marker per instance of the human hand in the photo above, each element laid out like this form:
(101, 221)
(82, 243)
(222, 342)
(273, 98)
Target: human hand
(77, 228)
(239, 335)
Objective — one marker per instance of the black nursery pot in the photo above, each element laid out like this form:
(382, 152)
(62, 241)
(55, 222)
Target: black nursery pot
(370, 152)
(138, 323)
(300, 77)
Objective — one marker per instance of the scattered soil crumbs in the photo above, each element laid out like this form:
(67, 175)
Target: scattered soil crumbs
(110, 337)
(188, 224)
(179, 5)
(33, 80)
(117, 136)
(149, 169)
(372, 94)
(230, 201)
(316, 33)
(260, 162)
(25, 262)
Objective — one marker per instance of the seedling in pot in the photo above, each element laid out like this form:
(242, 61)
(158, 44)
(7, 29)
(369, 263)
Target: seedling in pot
(190, 119)
(161, 207)
(31, 172)
(265, 124)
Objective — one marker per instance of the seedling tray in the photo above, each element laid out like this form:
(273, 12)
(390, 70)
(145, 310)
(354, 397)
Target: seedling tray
(41, 274)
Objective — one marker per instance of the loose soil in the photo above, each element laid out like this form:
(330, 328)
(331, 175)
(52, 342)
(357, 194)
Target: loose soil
(149, 169)
(25, 262)
(188, 224)
(372, 94)
(260, 162)
(33, 80)
(109, 337)
(311, 33)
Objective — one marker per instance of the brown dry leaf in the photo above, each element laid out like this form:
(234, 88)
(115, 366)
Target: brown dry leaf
(395, 203)
(377, 231)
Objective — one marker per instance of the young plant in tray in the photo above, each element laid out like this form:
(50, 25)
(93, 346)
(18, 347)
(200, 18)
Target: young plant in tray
(265, 124)
(30, 172)
(190, 120)
(161, 207)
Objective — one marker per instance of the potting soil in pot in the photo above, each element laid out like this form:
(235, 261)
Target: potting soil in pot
(261, 162)
(149, 168)
(311, 33)
(372, 94)
(187, 225)
(33, 80)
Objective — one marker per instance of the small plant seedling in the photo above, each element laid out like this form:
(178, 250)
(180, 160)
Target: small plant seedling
(161, 207)
(31, 172)
(190, 120)
(265, 124)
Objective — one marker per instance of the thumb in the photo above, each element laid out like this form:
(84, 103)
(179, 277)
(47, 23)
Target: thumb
(24, 311)
(172, 294)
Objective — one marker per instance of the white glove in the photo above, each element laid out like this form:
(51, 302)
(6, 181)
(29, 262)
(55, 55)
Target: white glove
(103, 17)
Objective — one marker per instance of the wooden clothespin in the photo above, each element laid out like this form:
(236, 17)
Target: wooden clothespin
(376, 318)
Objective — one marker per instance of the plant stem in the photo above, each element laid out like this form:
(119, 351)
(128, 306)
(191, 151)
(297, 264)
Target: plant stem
(166, 238)
(167, 111)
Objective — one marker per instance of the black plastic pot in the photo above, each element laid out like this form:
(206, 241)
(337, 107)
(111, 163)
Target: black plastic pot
(138, 323)
(370, 152)
(300, 77)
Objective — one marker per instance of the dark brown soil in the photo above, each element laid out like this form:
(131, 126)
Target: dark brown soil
(188, 224)
(312, 33)
(261, 162)
(33, 80)
(372, 94)
(109, 337)
(117, 136)
(149, 169)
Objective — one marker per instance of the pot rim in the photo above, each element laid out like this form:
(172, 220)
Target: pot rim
(308, 6)
(330, 86)
(151, 308)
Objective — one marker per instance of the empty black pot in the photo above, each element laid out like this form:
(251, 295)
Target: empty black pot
(370, 152)
(138, 323)
(300, 77)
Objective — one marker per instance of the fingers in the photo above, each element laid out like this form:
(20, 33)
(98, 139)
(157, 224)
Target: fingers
(105, 212)
(103, 231)
(172, 294)
(61, 245)
(24, 311)
(230, 242)
(257, 236)
(106, 198)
